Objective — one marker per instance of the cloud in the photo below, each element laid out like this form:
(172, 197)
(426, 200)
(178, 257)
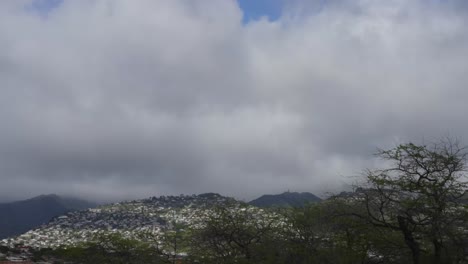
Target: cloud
(124, 99)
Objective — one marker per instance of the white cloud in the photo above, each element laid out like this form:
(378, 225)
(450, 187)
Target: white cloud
(135, 98)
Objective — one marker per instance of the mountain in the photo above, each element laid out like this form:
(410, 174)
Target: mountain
(148, 219)
(286, 199)
(21, 216)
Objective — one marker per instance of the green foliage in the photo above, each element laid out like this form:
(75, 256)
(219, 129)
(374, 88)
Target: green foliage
(329, 232)
(175, 240)
(419, 195)
(409, 212)
(236, 234)
(4, 249)
(111, 248)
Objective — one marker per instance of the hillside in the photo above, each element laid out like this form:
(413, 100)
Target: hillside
(151, 217)
(286, 199)
(21, 216)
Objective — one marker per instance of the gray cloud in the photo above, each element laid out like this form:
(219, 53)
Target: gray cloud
(124, 99)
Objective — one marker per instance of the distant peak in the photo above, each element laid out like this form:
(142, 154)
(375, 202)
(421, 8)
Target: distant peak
(209, 195)
(285, 199)
(43, 196)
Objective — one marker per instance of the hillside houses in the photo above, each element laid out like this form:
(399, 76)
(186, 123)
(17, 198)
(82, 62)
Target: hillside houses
(132, 219)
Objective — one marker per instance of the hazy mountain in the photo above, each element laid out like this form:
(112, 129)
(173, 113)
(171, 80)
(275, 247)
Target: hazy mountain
(21, 216)
(286, 199)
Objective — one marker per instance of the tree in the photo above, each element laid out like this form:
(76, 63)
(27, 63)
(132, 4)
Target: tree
(174, 240)
(235, 234)
(111, 248)
(328, 232)
(418, 195)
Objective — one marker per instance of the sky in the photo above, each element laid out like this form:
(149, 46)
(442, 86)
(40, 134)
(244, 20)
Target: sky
(255, 10)
(110, 100)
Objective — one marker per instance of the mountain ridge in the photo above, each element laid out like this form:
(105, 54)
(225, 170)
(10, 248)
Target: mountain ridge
(20, 216)
(286, 199)
(149, 217)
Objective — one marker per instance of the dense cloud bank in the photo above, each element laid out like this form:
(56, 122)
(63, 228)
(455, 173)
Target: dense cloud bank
(123, 99)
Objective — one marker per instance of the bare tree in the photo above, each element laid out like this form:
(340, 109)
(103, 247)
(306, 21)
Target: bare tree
(234, 233)
(418, 194)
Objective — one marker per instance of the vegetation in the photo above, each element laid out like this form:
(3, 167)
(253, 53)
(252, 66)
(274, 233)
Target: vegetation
(408, 212)
(419, 196)
(287, 199)
(112, 249)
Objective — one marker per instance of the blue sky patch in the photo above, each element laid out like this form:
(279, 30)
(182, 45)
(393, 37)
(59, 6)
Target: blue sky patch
(255, 9)
(44, 6)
